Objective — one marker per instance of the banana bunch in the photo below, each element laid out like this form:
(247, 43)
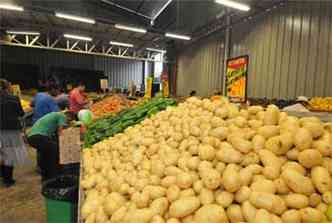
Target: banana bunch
(319, 103)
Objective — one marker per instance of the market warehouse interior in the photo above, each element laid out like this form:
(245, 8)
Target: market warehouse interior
(165, 111)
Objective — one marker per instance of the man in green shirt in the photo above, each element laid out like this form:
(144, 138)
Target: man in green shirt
(43, 137)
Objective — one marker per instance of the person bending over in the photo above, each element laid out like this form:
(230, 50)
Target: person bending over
(43, 136)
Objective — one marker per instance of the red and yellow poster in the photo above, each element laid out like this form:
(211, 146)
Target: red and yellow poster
(236, 78)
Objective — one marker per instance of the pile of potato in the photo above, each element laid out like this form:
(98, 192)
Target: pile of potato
(209, 162)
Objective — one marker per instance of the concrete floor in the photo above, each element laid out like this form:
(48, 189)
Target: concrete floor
(23, 203)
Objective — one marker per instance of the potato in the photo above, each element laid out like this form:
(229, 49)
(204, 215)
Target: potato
(159, 206)
(311, 215)
(211, 179)
(224, 198)
(321, 179)
(183, 207)
(157, 219)
(255, 124)
(234, 213)
(263, 186)
(310, 158)
(206, 152)
(184, 180)
(231, 179)
(168, 181)
(240, 144)
(258, 142)
(296, 201)
(291, 216)
(263, 216)
(276, 219)
(292, 154)
(229, 155)
(248, 211)
(268, 131)
(281, 186)
(242, 194)
(271, 163)
(173, 193)
(255, 109)
(314, 200)
(250, 158)
(193, 162)
(211, 213)
(141, 200)
(327, 163)
(219, 132)
(155, 191)
(297, 182)
(246, 175)
(220, 167)
(316, 128)
(322, 207)
(267, 201)
(206, 196)
(140, 215)
(198, 186)
(303, 139)
(323, 146)
(173, 220)
(327, 197)
(187, 193)
(295, 166)
(119, 214)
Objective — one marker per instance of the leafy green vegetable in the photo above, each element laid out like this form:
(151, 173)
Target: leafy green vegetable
(111, 125)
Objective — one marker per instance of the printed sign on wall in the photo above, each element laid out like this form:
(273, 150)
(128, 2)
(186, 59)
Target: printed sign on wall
(236, 78)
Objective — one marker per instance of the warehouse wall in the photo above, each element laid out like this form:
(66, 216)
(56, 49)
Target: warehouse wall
(290, 51)
(119, 71)
(200, 67)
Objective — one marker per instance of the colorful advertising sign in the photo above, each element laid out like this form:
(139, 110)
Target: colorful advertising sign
(236, 78)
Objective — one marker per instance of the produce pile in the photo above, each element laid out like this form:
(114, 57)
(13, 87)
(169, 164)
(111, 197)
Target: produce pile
(321, 104)
(26, 105)
(111, 125)
(109, 105)
(204, 162)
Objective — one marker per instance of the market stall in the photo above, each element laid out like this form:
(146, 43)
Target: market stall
(206, 161)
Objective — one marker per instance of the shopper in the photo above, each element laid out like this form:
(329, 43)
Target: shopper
(77, 99)
(43, 136)
(62, 99)
(12, 148)
(44, 103)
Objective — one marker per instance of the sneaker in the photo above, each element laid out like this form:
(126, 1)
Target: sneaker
(9, 183)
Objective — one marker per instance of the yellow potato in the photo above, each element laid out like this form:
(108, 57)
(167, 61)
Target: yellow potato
(296, 201)
(291, 216)
(321, 178)
(183, 207)
(297, 182)
(211, 213)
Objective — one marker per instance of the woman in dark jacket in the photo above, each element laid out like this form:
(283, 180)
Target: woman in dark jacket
(12, 147)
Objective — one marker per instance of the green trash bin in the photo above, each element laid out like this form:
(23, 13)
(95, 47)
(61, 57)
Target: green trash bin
(61, 196)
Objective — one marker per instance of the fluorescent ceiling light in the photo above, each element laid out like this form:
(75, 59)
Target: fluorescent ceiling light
(233, 4)
(11, 7)
(121, 44)
(156, 50)
(75, 18)
(77, 37)
(22, 32)
(129, 28)
(176, 36)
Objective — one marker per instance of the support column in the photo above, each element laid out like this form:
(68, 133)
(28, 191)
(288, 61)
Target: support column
(227, 46)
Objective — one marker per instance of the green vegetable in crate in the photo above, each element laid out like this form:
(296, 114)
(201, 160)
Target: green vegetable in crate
(109, 126)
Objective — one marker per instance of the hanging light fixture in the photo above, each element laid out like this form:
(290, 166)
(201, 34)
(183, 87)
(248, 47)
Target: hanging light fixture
(75, 18)
(70, 36)
(11, 7)
(233, 4)
(177, 36)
